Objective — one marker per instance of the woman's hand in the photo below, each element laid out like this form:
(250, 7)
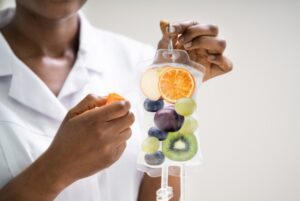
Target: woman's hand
(201, 43)
(91, 138)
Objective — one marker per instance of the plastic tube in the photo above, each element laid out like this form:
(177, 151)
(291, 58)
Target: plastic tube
(165, 193)
(182, 182)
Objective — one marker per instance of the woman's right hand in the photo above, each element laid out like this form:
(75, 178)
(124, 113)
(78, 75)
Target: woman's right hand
(91, 138)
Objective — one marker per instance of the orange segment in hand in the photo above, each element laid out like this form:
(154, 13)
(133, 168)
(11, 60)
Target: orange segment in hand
(113, 97)
(176, 83)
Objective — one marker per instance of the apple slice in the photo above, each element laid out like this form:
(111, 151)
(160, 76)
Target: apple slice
(149, 83)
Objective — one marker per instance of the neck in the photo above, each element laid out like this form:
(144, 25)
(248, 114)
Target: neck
(50, 37)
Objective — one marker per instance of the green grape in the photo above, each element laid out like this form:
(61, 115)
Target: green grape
(150, 145)
(189, 125)
(185, 106)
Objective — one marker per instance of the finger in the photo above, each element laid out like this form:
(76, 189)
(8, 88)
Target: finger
(178, 28)
(119, 151)
(208, 43)
(181, 27)
(118, 138)
(200, 52)
(164, 26)
(108, 112)
(123, 136)
(123, 123)
(88, 103)
(220, 65)
(198, 30)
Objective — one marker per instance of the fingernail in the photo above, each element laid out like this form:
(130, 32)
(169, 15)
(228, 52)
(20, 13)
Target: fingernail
(188, 45)
(212, 57)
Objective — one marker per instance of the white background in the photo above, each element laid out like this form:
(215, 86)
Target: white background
(250, 120)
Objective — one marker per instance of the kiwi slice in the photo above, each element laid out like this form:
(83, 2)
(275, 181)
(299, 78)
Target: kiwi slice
(180, 147)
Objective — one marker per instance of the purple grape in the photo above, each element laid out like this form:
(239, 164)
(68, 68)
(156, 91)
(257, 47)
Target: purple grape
(168, 120)
(153, 106)
(155, 132)
(155, 159)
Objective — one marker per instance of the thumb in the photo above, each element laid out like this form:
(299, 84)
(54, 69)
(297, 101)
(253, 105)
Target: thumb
(88, 103)
(164, 27)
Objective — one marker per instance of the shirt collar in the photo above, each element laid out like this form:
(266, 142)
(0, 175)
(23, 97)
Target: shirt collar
(87, 48)
(34, 93)
(6, 57)
(46, 103)
(87, 59)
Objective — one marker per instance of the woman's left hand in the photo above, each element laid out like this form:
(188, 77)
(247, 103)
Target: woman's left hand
(201, 43)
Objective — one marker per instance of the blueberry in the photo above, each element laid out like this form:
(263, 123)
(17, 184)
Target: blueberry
(153, 106)
(155, 132)
(155, 159)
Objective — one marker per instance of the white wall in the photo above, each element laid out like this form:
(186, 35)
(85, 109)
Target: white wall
(250, 118)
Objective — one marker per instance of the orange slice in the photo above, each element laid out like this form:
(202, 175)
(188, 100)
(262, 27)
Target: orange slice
(176, 83)
(113, 97)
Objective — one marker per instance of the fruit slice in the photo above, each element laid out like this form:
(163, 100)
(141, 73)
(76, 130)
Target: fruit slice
(149, 84)
(155, 159)
(113, 97)
(150, 145)
(179, 147)
(185, 106)
(176, 83)
(155, 132)
(168, 120)
(189, 125)
(153, 106)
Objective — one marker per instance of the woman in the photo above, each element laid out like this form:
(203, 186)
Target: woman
(53, 147)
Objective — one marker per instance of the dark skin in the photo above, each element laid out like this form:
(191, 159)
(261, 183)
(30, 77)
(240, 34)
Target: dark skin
(51, 48)
(52, 43)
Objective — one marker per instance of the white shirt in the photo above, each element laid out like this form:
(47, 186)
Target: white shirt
(30, 113)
